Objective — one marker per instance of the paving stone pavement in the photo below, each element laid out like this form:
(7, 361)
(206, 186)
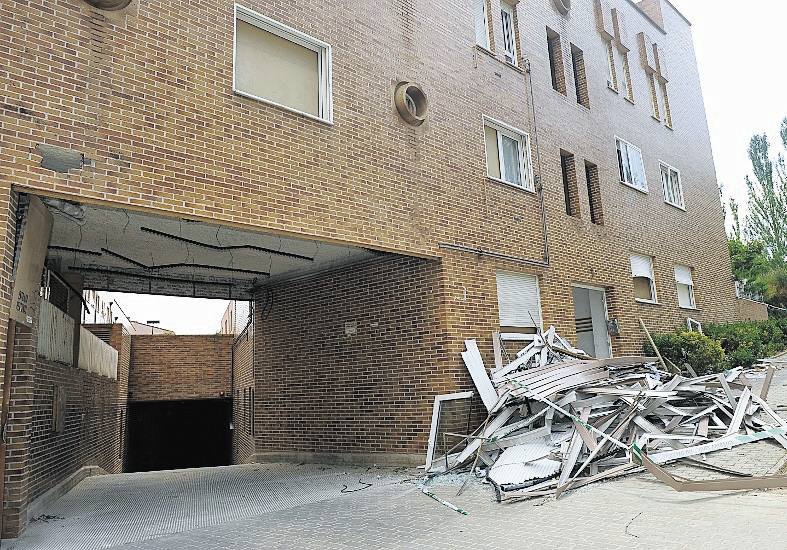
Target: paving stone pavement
(304, 508)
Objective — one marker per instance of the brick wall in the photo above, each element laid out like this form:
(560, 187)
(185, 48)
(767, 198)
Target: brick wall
(349, 361)
(243, 446)
(180, 367)
(93, 430)
(749, 310)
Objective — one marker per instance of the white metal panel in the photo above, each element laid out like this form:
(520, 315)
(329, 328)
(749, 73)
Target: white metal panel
(518, 297)
(683, 275)
(55, 334)
(641, 266)
(97, 356)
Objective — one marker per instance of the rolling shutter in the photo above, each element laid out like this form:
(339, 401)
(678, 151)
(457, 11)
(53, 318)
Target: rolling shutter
(481, 28)
(683, 275)
(641, 266)
(517, 299)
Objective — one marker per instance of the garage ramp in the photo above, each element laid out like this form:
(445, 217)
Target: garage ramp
(110, 510)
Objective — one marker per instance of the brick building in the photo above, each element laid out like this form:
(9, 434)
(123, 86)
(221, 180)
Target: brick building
(381, 186)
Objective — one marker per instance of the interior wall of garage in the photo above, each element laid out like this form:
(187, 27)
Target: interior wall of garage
(347, 363)
(244, 397)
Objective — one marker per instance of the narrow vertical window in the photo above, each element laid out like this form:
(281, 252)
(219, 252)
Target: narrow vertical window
(612, 79)
(654, 96)
(481, 23)
(628, 89)
(594, 193)
(570, 191)
(580, 77)
(556, 68)
(509, 33)
(667, 110)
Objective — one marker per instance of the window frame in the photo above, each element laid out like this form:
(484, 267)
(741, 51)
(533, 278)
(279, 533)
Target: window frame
(324, 55)
(628, 144)
(525, 155)
(662, 166)
(510, 11)
(652, 278)
(692, 296)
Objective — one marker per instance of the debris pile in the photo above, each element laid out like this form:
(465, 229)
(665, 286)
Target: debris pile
(559, 420)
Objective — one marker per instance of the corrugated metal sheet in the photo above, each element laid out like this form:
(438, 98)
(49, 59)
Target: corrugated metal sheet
(96, 356)
(55, 334)
(524, 462)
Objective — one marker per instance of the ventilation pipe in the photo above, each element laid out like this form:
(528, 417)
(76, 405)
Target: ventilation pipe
(109, 5)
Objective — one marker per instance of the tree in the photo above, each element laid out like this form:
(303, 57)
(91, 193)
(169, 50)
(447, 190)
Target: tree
(767, 219)
(749, 265)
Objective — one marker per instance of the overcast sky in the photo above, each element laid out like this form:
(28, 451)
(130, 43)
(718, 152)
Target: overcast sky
(740, 53)
(739, 49)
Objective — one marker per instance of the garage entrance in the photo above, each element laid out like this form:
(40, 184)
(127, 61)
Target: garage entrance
(171, 435)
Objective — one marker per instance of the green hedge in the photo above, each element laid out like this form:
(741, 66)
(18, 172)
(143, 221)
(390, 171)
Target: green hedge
(723, 346)
(746, 343)
(704, 354)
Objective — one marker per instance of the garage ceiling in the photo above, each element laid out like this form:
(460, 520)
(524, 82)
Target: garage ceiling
(126, 251)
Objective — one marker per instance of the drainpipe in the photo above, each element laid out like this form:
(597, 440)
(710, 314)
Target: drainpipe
(109, 5)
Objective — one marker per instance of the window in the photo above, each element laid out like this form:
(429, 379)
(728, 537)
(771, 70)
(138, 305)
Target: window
(612, 79)
(670, 182)
(667, 110)
(518, 300)
(685, 284)
(281, 66)
(594, 193)
(628, 89)
(570, 190)
(632, 170)
(508, 155)
(644, 282)
(580, 78)
(654, 97)
(509, 34)
(555, 50)
(481, 24)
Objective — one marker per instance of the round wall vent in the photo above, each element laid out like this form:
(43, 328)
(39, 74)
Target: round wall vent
(563, 6)
(411, 102)
(109, 5)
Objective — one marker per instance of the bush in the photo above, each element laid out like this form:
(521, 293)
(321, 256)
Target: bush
(704, 354)
(746, 343)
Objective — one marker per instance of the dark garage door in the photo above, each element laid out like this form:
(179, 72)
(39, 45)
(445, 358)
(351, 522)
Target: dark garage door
(169, 435)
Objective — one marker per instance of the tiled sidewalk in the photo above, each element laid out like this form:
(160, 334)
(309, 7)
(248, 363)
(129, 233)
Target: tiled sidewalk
(303, 507)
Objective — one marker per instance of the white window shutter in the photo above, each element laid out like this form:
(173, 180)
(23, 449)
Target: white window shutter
(518, 298)
(683, 275)
(641, 266)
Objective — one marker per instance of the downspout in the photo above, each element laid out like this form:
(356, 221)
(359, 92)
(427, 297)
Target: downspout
(544, 225)
(7, 378)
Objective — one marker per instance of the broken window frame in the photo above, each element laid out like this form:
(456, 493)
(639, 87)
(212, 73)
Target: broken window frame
(324, 61)
(650, 276)
(684, 280)
(508, 21)
(626, 151)
(672, 186)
